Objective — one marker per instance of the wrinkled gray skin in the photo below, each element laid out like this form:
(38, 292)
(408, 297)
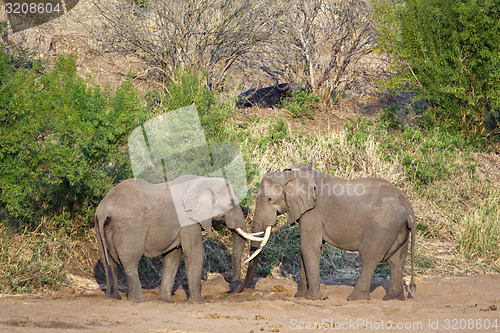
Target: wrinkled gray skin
(138, 218)
(368, 215)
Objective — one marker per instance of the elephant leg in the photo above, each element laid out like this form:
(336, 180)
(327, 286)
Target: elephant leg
(134, 292)
(170, 265)
(303, 280)
(194, 253)
(362, 287)
(396, 263)
(311, 244)
(130, 253)
(372, 252)
(112, 280)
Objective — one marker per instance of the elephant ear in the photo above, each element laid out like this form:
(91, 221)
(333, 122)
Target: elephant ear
(199, 203)
(300, 195)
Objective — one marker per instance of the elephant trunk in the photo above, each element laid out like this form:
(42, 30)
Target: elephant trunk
(234, 220)
(238, 246)
(252, 268)
(261, 214)
(264, 218)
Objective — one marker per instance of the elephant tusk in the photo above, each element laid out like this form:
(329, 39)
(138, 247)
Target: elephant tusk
(261, 246)
(248, 236)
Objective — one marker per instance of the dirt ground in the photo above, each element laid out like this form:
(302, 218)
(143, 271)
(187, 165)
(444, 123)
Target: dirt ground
(439, 305)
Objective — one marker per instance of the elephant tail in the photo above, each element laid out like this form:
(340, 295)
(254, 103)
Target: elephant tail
(103, 248)
(412, 225)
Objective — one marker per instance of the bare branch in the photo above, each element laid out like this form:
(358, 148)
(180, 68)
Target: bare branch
(180, 34)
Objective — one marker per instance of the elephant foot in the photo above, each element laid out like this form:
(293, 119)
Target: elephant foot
(230, 279)
(197, 299)
(138, 298)
(114, 296)
(310, 295)
(301, 293)
(395, 295)
(355, 296)
(167, 298)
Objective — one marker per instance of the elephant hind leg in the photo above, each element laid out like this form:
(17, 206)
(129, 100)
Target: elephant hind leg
(362, 288)
(134, 292)
(372, 251)
(396, 263)
(112, 280)
(130, 256)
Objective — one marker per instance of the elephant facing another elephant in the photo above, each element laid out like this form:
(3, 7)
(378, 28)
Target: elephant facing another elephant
(137, 218)
(368, 215)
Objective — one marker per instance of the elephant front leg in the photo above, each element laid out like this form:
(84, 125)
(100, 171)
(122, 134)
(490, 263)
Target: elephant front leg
(194, 253)
(170, 266)
(311, 245)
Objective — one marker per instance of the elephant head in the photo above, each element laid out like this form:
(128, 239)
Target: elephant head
(207, 198)
(213, 198)
(292, 191)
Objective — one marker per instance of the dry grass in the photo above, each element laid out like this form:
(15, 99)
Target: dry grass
(480, 236)
(457, 213)
(42, 260)
(457, 210)
(31, 261)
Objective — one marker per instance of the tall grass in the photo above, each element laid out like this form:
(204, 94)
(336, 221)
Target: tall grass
(480, 237)
(32, 261)
(450, 189)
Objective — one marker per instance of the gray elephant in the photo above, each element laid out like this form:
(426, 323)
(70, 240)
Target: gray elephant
(138, 218)
(368, 215)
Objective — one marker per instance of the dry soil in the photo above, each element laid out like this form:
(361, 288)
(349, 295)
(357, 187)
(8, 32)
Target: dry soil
(440, 304)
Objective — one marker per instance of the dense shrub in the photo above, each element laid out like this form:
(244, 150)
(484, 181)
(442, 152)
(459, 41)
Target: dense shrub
(190, 87)
(448, 52)
(62, 143)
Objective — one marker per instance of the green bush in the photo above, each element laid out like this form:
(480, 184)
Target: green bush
(191, 87)
(427, 155)
(16, 55)
(62, 143)
(300, 104)
(448, 52)
(278, 130)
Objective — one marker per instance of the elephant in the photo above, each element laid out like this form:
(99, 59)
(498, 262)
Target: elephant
(137, 218)
(368, 215)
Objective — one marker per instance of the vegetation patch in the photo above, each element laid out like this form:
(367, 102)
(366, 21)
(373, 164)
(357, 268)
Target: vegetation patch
(63, 141)
(32, 261)
(300, 104)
